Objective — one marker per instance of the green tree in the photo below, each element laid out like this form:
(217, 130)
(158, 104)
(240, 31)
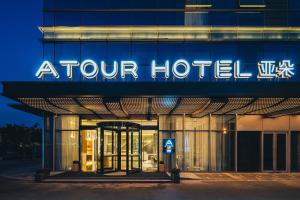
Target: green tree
(20, 141)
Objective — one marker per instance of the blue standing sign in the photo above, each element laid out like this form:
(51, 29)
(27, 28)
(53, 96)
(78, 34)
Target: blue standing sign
(169, 146)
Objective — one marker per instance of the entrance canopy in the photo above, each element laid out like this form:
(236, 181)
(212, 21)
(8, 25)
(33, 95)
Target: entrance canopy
(146, 100)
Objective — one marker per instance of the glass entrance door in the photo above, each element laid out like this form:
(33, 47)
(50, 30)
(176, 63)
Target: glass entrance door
(88, 150)
(109, 142)
(130, 150)
(134, 150)
(274, 148)
(120, 147)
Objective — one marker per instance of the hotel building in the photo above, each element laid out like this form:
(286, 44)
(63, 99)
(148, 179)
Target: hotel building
(118, 78)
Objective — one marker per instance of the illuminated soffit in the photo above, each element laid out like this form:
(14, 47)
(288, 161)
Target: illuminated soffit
(169, 33)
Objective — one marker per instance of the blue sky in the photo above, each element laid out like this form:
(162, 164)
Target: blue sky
(20, 51)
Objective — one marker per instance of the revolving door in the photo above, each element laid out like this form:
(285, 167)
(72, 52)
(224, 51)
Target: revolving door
(119, 147)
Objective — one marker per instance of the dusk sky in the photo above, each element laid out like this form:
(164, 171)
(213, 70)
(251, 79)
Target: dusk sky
(20, 51)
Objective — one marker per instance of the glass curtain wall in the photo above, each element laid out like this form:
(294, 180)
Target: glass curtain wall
(67, 142)
(202, 151)
(235, 12)
(192, 150)
(202, 144)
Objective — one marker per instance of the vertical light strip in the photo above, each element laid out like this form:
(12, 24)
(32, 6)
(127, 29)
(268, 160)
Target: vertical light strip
(53, 142)
(43, 143)
(235, 144)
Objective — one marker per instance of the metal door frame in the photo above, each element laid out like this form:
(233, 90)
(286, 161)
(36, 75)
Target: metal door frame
(130, 128)
(274, 150)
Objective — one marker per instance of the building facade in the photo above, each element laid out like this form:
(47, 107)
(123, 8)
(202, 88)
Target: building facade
(201, 85)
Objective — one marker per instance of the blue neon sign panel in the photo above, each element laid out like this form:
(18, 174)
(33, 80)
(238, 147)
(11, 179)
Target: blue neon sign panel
(169, 146)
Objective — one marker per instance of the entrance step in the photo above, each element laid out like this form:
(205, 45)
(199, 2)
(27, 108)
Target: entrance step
(76, 177)
(107, 180)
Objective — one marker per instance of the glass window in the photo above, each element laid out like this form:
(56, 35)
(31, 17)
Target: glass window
(48, 19)
(67, 142)
(295, 151)
(294, 18)
(67, 19)
(294, 4)
(88, 150)
(67, 123)
(252, 3)
(200, 3)
(66, 150)
(276, 18)
(196, 18)
(249, 151)
(112, 4)
(195, 152)
(278, 4)
(112, 12)
(149, 150)
(204, 145)
(196, 123)
(223, 19)
(250, 19)
(215, 150)
(201, 150)
(224, 3)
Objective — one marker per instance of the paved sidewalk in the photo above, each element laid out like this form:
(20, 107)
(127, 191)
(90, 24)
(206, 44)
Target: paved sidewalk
(240, 176)
(186, 190)
(19, 169)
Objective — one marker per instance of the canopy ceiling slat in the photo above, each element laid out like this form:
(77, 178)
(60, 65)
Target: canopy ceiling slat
(69, 104)
(139, 106)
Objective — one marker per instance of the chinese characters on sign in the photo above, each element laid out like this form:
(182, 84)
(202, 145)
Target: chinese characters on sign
(268, 69)
(180, 69)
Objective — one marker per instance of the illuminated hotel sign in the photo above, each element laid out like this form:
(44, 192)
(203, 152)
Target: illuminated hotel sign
(180, 69)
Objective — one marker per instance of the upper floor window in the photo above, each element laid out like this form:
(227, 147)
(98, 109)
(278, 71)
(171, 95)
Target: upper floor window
(252, 3)
(198, 3)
